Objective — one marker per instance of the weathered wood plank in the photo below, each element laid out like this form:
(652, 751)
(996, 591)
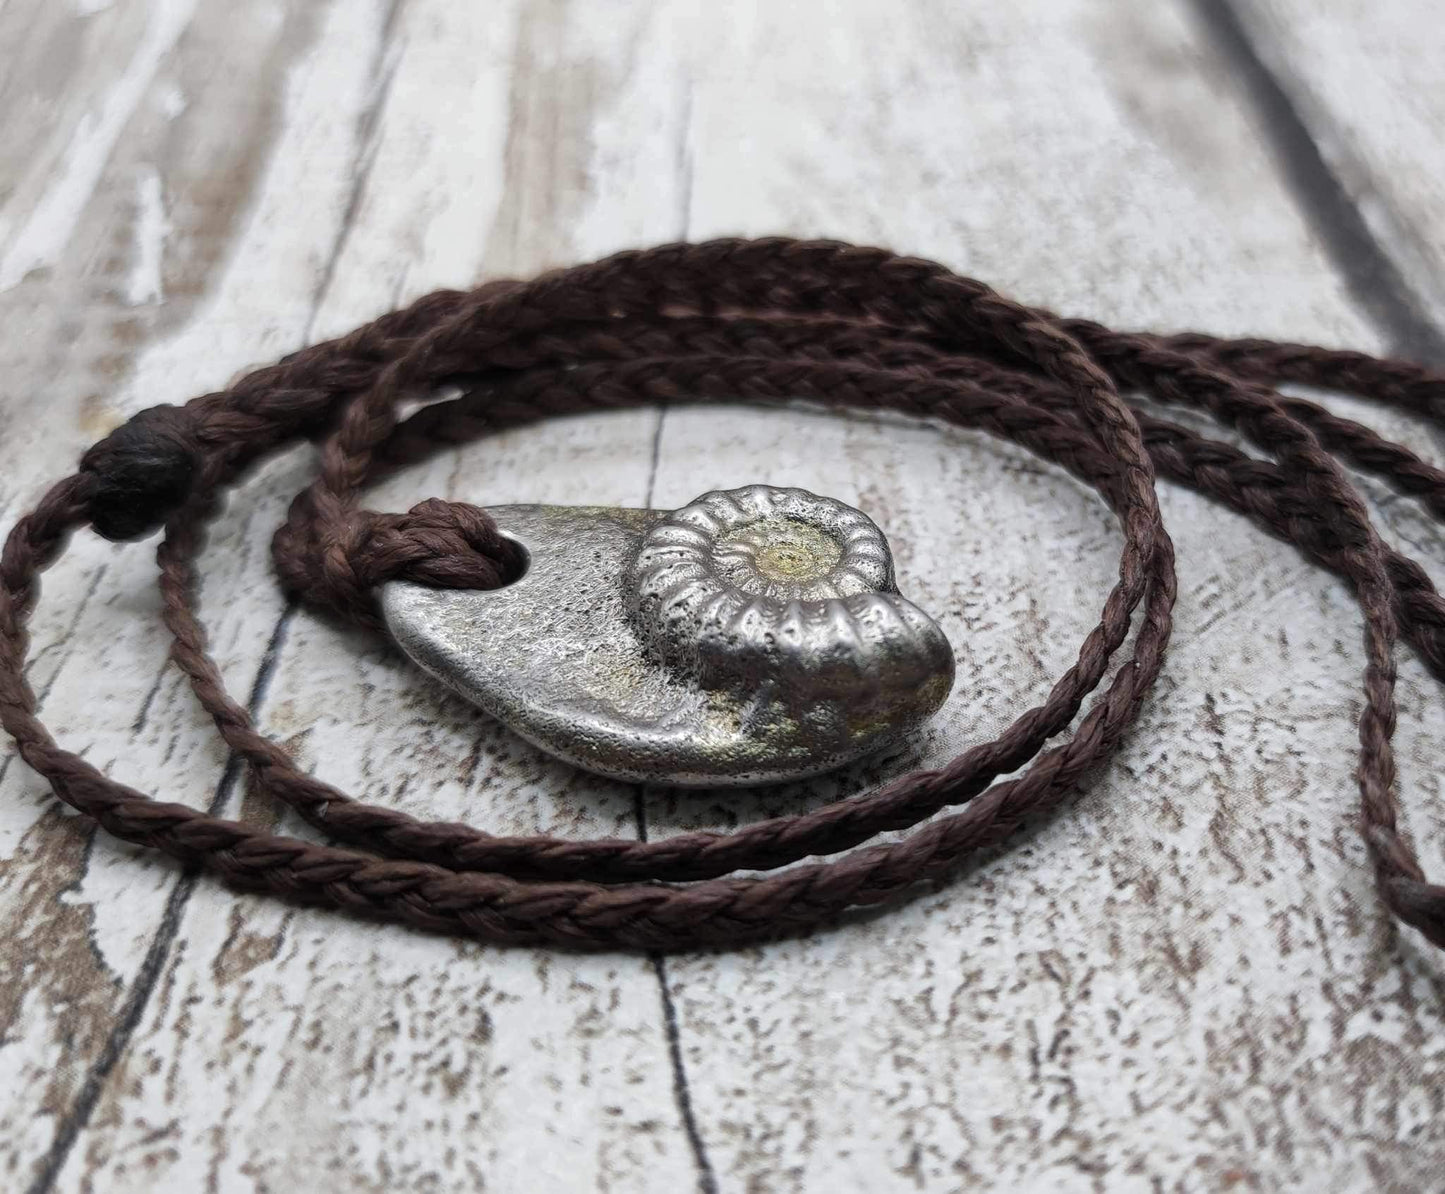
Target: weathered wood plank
(1381, 128)
(82, 920)
(1185, 982)
(553, 1071)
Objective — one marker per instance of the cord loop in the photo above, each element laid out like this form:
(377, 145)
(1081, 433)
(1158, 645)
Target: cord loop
(765, 321)
(336, 564)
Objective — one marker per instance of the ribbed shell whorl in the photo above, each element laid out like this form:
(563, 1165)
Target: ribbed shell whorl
(760, 584)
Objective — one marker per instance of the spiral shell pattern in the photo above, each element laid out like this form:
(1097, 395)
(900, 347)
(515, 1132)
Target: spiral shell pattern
(763, 586)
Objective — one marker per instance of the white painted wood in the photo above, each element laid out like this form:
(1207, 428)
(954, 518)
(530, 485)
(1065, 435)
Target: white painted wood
(1183, 983)
(442, 212)
(1382, 131)
(81, 921)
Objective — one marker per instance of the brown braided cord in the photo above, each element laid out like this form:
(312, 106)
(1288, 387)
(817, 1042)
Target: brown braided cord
(771, 320)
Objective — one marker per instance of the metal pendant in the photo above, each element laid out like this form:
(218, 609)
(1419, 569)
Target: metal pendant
(751, 637)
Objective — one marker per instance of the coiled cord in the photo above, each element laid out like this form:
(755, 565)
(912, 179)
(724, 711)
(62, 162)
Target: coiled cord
(767, 320)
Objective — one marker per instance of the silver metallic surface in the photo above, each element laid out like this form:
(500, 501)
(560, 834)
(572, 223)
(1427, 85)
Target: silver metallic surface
(751, 637)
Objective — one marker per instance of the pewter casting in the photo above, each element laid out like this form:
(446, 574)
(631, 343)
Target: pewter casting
(754, 636)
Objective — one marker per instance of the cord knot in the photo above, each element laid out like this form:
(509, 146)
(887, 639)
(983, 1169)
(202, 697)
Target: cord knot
(143, 472)
(337, 565)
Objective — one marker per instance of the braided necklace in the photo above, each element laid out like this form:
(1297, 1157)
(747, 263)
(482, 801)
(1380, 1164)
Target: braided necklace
(766, 321)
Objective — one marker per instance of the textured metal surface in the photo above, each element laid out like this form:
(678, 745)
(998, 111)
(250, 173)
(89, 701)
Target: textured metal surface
(751, 637)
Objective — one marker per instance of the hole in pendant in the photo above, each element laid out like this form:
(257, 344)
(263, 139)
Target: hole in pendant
(521, 562)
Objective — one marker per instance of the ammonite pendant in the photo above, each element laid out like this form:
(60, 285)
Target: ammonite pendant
(751, 637)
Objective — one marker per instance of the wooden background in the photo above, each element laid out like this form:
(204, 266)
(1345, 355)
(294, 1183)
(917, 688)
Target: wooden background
(1184, 983)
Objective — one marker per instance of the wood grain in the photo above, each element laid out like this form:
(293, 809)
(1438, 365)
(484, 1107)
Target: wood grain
(83, 921)
(1381, 132)
(1157, 990)
(1184, 983)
